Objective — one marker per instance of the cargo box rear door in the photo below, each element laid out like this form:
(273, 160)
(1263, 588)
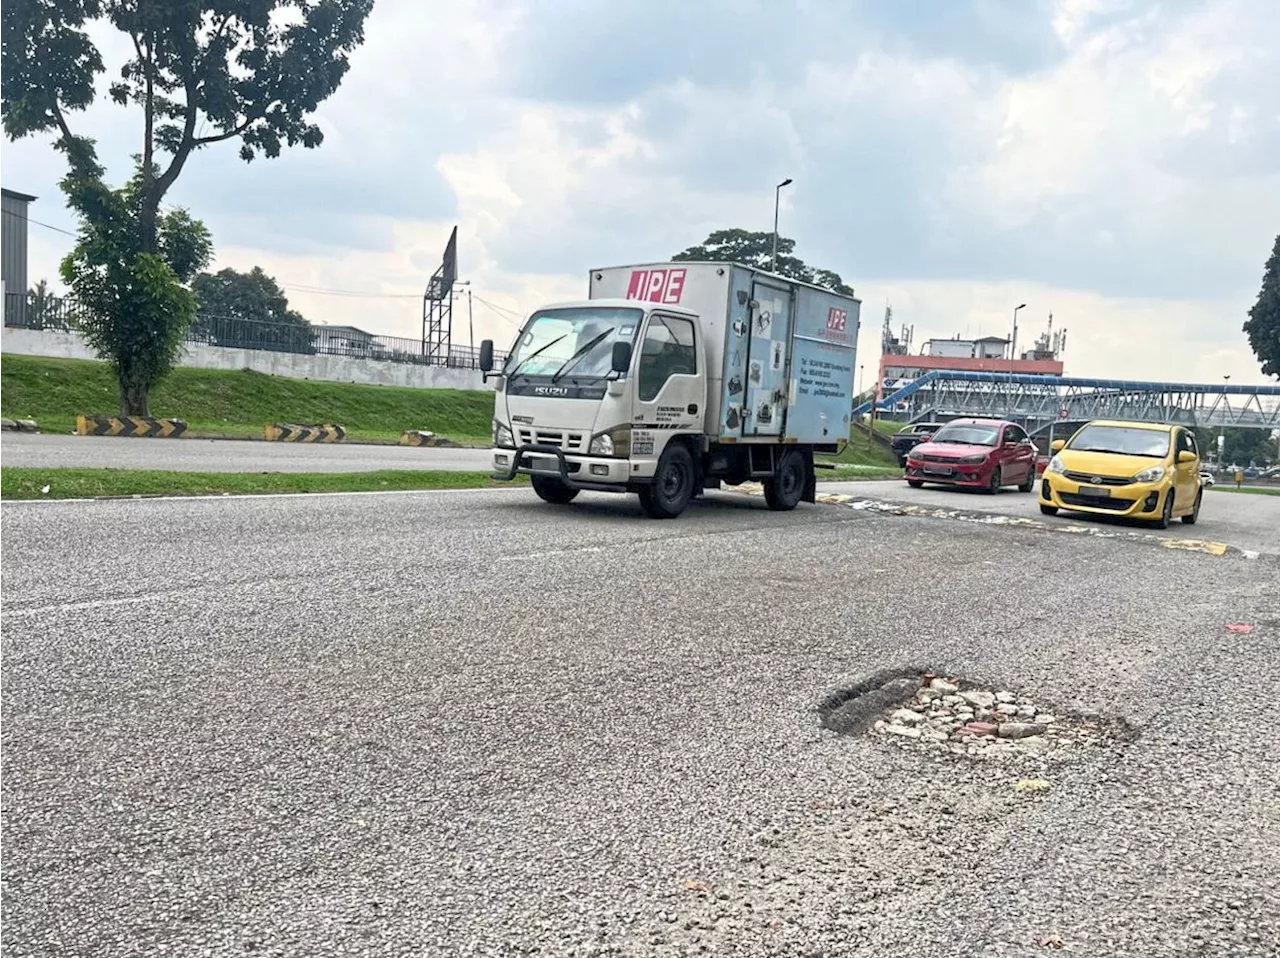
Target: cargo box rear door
(764, 401)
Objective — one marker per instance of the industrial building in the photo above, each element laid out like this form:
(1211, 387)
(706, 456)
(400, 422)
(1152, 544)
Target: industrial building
(899, 367)
(13, 243)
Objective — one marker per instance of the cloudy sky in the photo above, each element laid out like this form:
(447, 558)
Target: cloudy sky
(1116, 163)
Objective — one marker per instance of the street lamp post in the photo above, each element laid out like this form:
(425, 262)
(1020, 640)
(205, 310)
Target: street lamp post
(1013, 345)
(777, 200)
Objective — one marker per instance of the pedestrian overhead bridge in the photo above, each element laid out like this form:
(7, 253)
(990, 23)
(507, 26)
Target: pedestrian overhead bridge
(1040, 402)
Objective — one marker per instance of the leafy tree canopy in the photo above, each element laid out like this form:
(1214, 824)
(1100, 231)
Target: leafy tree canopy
(1263, 325)
(1240, 445)
(756, 250)
(253, 296)
(201, 72)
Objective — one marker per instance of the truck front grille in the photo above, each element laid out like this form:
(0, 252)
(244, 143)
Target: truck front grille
(568, 441)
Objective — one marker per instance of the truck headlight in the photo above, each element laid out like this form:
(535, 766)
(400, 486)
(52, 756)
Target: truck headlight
(1056, 465)
(502, 436)
(1154, 474)
(612, 442)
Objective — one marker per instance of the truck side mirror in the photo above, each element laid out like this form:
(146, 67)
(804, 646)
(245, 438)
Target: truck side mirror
(621, 357)
(486, 356)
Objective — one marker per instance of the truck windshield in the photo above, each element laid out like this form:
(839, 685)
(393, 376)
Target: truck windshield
(576, 342)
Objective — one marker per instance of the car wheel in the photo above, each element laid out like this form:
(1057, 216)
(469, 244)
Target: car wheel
(1166, 516)
(915, 483)
(997, 481)
(784, 490)
(1048, 510)
(553, 490)
(1195, 513)
(672, 486)
(1030, 482)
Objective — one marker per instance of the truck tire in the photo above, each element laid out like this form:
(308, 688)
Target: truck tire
(784, 490)
(553, 490)
(673, 484)
(672, 488)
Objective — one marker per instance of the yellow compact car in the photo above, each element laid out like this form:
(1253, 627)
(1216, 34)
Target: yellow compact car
(1137, 470)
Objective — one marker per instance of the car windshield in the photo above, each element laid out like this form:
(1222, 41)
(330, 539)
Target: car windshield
(575, 342)
(1121, 440)
(969, 435)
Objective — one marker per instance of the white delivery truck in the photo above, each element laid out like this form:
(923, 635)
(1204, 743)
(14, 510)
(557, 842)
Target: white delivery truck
(675, 377)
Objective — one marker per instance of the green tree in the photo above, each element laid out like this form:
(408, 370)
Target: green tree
(202, 72)
(249, 311)
(756, 249)
(1240, 445)
(1263, 324)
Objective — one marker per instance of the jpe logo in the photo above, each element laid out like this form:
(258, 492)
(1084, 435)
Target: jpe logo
(837, 319)
(657, 285)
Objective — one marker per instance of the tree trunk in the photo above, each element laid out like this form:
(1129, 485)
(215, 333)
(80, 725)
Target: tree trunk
(135, 399)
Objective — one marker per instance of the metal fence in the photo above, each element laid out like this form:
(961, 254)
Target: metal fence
(29, 311)
(34, 311)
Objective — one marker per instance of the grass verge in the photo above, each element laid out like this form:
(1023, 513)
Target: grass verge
(230, 403)
(31, 483)
(1247, 490)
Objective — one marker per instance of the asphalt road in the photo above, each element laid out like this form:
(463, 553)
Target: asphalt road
(1246, 520)
(470, 723)
(226, 455)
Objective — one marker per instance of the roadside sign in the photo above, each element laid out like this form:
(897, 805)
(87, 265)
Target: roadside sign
(1065, 412)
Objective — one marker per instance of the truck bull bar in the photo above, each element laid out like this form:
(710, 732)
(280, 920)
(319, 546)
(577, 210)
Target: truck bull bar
(538, 449)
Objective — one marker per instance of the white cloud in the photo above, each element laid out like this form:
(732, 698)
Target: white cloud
(1125, 180)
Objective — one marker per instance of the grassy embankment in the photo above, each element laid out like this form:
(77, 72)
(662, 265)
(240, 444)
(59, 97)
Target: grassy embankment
(230, 404)
(32, 483)
(1248, 490)
(238, 404)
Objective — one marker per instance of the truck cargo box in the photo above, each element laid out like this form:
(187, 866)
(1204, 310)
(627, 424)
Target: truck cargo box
(780, 355)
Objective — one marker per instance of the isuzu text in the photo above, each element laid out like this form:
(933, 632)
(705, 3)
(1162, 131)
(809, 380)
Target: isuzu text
(672, 378)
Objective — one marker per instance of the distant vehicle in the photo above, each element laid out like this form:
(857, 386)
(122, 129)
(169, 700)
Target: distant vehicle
(985, 454)
(1140, 470)
(1206, 477)
(908, 437)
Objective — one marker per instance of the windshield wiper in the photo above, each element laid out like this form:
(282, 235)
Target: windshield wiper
(592, 344)
(535, 354)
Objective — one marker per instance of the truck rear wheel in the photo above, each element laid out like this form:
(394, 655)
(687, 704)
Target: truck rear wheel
(553, 490)
(673, 484)
(784, 491)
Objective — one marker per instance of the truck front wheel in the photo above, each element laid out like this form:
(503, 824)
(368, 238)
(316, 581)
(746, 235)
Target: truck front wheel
(673, 484)
(785, 489)
(553, 490)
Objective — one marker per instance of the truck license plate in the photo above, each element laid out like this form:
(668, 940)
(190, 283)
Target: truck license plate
(1096, 492)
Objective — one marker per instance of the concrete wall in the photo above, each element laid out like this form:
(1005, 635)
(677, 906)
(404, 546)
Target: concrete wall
(334, 369)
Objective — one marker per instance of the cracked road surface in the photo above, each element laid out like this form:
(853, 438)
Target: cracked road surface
(471, 723)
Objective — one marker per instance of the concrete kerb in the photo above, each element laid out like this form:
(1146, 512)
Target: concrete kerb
(886, 507)
(19, 425)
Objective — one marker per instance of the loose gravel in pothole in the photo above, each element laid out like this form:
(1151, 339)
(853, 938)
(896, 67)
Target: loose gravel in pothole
(952, 715)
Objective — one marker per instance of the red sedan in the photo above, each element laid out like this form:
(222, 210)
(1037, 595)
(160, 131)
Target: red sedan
(984, 454)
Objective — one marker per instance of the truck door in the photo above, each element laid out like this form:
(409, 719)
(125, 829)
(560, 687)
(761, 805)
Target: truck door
(765, 402)
(671, 385)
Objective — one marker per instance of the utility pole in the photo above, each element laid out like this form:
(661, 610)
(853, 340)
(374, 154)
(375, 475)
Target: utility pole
(1013, 345)
(471, 329)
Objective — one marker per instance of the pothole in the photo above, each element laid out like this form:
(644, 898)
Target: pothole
(920, 709)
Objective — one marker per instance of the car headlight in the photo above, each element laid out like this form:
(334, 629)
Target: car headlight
(1154, 474)
(612, 442)
(502, 436)
(1056, 465)
(973, 459)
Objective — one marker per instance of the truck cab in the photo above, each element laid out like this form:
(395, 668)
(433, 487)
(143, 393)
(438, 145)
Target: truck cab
(592, 392)
(666, 398)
